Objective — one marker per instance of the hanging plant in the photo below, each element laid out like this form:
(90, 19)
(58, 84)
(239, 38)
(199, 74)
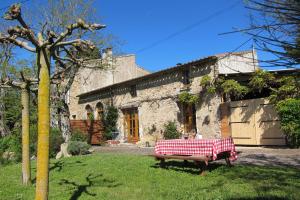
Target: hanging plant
(187, 98)
(207, 84)
(229, 87)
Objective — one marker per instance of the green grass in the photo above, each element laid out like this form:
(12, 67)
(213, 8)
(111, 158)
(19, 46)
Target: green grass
(119, 176)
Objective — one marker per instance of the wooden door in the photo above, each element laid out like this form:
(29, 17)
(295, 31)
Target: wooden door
(132, 125)
(268, 131)
(189, 118)
(242, 122)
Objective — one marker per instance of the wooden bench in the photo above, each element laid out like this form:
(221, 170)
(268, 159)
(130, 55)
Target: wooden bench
(201, 161)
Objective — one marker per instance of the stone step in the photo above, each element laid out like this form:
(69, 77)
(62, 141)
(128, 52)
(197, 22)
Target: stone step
(127, 145)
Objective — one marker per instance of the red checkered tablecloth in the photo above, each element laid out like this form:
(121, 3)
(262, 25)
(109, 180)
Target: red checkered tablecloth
(203, 147)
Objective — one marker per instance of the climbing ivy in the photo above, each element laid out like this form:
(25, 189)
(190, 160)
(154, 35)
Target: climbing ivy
(261, 79)
(228, 87)
(187, 98)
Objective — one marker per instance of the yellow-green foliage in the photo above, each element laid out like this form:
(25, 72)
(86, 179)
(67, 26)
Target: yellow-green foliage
(261, 79)
(234, 88)
(205, 81)
(187, 98)
(207, 84)
(289, 112)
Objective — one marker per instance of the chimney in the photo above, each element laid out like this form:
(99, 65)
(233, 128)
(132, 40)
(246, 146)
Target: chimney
(106, 53)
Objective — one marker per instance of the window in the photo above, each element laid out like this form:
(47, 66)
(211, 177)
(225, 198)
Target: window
(186, 77)
(99, 108)
(89, 112)
(133, 91)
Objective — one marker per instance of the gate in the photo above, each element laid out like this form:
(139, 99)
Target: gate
(92, 128)
(251, 122)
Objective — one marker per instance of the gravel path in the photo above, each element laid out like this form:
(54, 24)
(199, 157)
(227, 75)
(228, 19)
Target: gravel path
(246, 155)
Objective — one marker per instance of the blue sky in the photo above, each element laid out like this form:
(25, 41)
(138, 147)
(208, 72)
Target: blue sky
(163, 33)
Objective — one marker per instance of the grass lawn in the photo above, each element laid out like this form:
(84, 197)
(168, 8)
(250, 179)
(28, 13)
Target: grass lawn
(119, 176)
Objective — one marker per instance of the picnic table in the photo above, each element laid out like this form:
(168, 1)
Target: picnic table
(201, 151)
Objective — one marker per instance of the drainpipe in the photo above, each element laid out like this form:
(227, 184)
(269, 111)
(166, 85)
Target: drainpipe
(253, 53)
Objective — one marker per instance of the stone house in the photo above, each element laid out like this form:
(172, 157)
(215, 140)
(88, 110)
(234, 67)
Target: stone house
(147, 101)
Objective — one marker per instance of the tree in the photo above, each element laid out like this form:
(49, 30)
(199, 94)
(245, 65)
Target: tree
(24, 86)
(277, 31)
(46, 45)
(58, 14)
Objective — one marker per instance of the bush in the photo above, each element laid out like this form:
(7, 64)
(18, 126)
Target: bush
(11, 143)
(78, 148)
(110, 122)
(77, 135)
(56, 140)
(289, 112)
(171, 131)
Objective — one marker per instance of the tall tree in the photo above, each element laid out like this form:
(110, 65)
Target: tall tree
(46, 45)
(275, 27)
(58, 14)
(24, 86)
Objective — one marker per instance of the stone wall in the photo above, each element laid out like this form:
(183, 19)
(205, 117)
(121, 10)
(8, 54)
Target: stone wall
(100, 74)
(157, 102)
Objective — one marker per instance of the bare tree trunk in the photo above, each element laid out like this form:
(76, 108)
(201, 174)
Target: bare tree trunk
(64, 111)
(26, 176)
(65, 121)
(42, 177)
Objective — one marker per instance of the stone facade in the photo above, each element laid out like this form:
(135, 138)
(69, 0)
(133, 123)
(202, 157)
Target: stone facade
(156, 98)
(101, 73)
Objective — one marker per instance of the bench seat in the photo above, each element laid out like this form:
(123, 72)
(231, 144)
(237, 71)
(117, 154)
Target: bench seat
(201, 161)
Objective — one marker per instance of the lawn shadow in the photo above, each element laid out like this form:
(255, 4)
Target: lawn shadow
(59, 165)
(266, 180)
(270, 160)
(186, 166)
(90, 181)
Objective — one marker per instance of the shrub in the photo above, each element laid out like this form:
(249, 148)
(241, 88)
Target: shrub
(171, 131)
(11, 143)
(56, 140)
(77, 135)
(289, 112)
(78, 148)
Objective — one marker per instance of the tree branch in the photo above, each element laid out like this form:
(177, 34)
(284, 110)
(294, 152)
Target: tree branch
(14, 40)
(14, 13)
(80, 24)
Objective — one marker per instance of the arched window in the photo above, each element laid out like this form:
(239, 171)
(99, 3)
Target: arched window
(89, 112)
(99, 110)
